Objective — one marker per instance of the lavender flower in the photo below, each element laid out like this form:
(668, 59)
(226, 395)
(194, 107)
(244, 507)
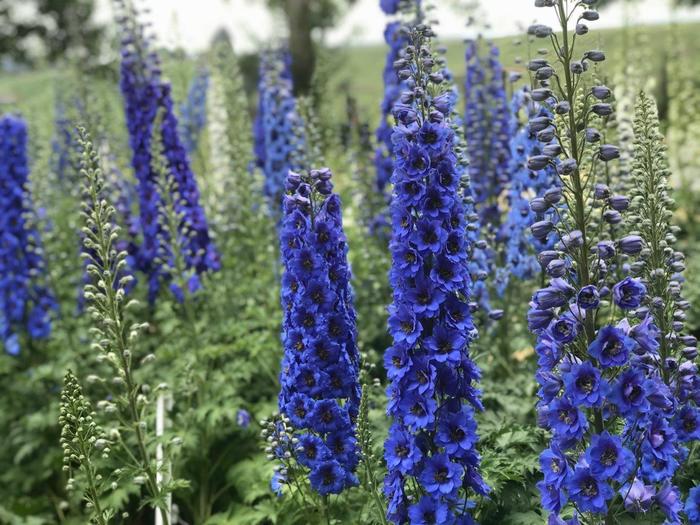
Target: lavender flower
(432, 395)
(25, 300)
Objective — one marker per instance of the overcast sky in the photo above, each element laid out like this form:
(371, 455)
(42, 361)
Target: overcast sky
(191, 23)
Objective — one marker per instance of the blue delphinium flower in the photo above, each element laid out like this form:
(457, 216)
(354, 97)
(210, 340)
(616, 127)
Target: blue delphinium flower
(276, 127)
(692, 505)
(25, 300)
(605, 393)
(383, 155)
(433, 394)
(145, 95)
(487, 125)
(193, 111)
(319, 378)
(522, 247)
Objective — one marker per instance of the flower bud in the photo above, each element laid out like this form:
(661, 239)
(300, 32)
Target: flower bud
(590, 16)
(567, 167)
(556, 268)
(537, 63)
(619, 202)
(577, 67)
(572, 240)
(631, 244)
(541, 229)
(539, 205)
(553, 195)
(601, 191)
(608, 152)
(552, 150)
(538, 162)
(601, 92)
(612, 217)
(602, 109)
(544, 73)
(592, 135)
(562, 108)
(595, 55)
(541, 94)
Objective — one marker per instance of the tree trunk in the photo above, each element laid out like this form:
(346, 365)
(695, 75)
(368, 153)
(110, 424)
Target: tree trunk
(301, 45)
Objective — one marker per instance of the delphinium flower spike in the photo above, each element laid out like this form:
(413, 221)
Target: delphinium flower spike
(672, 352)
(234, 189)
(26, 302)
(276, 126)
(320, 393)
(113, 334)
(84, 444)
(487, 129)
(193, 111)
(521, 249)
(145, 94)
(606, 407)
(383, 154)
(433, 465)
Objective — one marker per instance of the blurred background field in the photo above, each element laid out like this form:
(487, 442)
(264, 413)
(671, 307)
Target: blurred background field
(68, 79)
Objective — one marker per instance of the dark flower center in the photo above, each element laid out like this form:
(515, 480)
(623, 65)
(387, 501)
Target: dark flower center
(417, 410)
(327, 416)
(457, 434)
(613, 348)
(609, 457)
(410, 257)
(429, 137)
(441, 475)
(419, 162)
(401, 451)
(566, 417)
(430, 237)
(585, 384)
(634, 392)
(446, 273)
(328, 477)
(311, 451)
(406, 327)
(590, 488)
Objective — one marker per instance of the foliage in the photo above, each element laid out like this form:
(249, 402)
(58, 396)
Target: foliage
(64, 27)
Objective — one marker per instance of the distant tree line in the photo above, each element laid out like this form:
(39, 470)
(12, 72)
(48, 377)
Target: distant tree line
(48, 29)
